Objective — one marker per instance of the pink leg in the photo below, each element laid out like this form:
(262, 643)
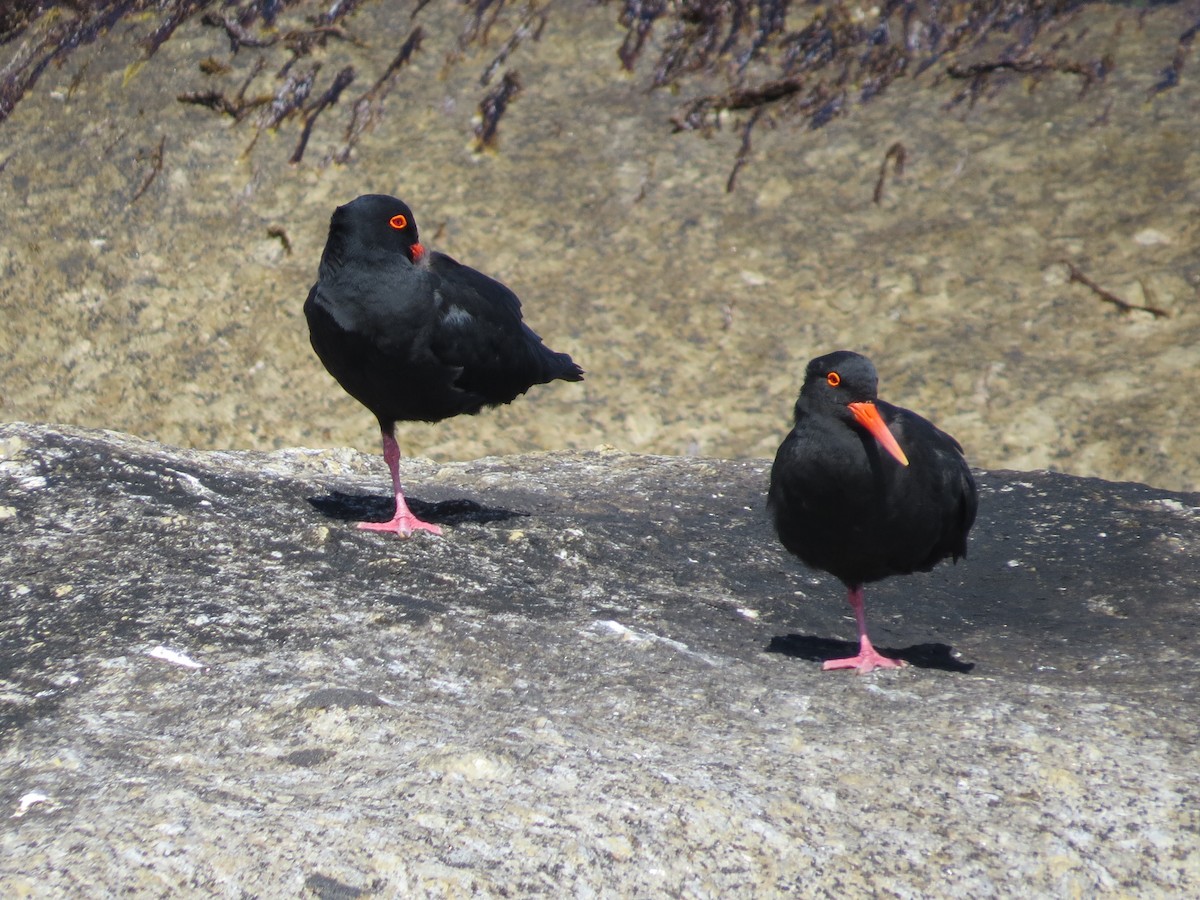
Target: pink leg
(867, 659)
(403, 522)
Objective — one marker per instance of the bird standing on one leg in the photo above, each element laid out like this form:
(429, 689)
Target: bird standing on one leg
(415, 335)
(863, 489)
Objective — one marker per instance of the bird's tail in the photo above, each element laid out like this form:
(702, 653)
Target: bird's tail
(564, 368)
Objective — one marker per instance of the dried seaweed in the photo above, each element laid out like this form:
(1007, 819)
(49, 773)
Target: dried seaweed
(531, 27)
(807, 60)
(481, 16)
(369, 106)
(638, 17)
(492, 108)
(278, 232)
(214, 100)
(1092, 72)
(177, 14)
(697, 114)
(1169, 77)
(58, 38)
(341, 81)
(237, 107)
(897, 155)
(52, 29)
(156, 166)
(1123, 306)
(743, 151)
(338, 10)
(841, 55)
(239, 35)
(815, 61)
(295, 95)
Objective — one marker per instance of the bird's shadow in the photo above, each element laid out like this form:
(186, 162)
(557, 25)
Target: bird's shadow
(371, 508)
(819, 649)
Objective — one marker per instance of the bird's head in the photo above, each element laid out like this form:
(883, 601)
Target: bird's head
(375, 223)
(846, 385)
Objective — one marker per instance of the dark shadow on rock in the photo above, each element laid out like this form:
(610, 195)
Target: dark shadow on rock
(372, 508)
(326, 888)
(15, 717)
(819, 649)
(340, 698)
(309, 757)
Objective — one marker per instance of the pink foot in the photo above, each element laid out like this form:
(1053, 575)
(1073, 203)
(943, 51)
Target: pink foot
(867, 661)
(403, 523)
(403, 526)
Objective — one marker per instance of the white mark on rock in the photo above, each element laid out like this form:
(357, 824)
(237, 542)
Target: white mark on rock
(617, 628)
(191, 484)
(638, 637)
(175, 657)
(1148, 237)
(27, 801)
(1176, 506)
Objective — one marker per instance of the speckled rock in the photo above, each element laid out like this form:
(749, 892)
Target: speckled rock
(600, 682)
(178, 315)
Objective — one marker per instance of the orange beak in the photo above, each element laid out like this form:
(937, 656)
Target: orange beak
(868, 417)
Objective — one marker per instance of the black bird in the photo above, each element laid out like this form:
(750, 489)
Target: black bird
(415, 335)
(863, 489)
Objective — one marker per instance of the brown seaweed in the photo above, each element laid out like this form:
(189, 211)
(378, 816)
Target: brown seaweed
(492, 107)
(341, 81)
(369, 106)
(279, 233)
(1123, 306)
(156, 166)
(811, 61)
(897, 155)
(1169, 77)
(743, 151)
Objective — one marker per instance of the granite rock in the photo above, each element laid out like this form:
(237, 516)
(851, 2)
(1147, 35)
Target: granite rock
(601, 681)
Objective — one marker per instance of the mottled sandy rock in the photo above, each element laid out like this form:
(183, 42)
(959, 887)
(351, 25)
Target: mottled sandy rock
(601, 681)
(177, 315)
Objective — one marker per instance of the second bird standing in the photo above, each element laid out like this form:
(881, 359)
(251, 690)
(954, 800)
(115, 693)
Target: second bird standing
(863, 489)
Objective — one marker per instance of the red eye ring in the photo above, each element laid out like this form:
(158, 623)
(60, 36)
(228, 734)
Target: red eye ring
(398, 221)
(834, 379)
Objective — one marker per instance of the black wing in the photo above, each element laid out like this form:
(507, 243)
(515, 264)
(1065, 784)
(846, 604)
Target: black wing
(940, 483)
(480, 331)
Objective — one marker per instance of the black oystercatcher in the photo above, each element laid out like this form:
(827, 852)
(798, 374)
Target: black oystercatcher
(415, 335)
(863, 489)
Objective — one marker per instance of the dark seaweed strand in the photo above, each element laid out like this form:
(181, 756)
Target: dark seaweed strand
(492, 108)
(369, 105)
(340, 82)
(58, 42)
(807, 59)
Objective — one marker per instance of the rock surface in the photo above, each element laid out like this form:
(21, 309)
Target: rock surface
(174, 312)
(602, 681)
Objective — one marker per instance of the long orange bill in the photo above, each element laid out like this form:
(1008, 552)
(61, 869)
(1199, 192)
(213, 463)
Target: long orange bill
(868, 417)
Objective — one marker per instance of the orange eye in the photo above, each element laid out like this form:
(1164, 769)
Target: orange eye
(399, 222)
(834, 379)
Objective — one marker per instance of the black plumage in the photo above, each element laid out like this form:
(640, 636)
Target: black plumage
(414, 335)
(864, 490)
